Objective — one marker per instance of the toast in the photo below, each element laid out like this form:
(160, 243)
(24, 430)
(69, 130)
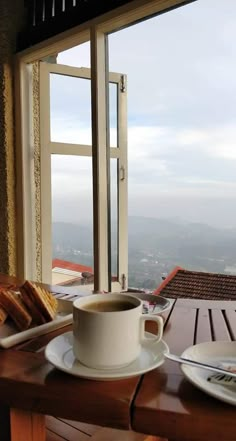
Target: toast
(3, 315)
(41, 304)
(14, 306)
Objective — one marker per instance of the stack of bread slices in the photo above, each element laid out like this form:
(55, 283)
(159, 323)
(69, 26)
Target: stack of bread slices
(32, 306)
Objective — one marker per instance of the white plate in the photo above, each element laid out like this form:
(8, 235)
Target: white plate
(60, 353)
(214, 353)
(10, 335)
(152, 304)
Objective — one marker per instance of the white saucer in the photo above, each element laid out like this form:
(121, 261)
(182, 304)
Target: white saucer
(214, 353)
(59, 352)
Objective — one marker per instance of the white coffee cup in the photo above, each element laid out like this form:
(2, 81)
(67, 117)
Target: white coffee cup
(107, 338)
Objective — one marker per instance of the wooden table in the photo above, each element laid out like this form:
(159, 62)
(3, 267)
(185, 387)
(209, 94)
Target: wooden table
(160, 402)
(166, 403)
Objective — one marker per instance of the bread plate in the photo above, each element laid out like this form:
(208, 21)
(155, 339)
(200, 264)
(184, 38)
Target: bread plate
(10, 335)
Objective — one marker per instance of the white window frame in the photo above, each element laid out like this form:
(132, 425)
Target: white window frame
(95, 31)
(49, 148)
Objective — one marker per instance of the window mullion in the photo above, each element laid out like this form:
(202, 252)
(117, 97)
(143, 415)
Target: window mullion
(99, 149)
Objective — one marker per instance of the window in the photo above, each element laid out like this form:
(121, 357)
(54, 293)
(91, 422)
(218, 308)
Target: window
(36, 206)
(66, 172)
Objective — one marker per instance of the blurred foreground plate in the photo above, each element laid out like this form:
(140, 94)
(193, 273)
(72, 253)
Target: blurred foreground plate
(151, 304)
(217, 353)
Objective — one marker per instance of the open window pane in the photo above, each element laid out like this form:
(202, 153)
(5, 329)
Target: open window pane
(70, 109)
(66, 133)
(72, 220)
(113, 114)
(114, 219)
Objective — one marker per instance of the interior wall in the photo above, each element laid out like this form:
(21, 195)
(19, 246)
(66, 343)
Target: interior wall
(11, 20)
(37, 172)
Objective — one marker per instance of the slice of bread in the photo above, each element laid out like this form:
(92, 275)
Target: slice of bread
(37, 317)
(41, 304)
(12, 303)
(3, 315)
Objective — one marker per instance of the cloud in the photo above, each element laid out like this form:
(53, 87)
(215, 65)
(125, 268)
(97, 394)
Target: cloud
(219, 212)
(162, 159)
(181, 96)
(71, 131)
(215, 141)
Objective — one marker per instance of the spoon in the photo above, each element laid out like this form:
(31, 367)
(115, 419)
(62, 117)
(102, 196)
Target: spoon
(199, 364)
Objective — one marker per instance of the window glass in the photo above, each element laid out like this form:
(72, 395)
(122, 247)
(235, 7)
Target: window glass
(78, 56)
(114, 218)
(72, 219)
(113, 114)
(181, 140)
(70, 109)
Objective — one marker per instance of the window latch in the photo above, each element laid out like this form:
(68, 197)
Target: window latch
(123, 83)
(123, 281)
(122, 173)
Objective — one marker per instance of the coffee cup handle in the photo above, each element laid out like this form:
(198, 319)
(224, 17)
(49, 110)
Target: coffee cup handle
(156, 337)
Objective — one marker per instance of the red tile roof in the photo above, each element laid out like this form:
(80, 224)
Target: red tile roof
(87, 271)
(71, 266)
(182, 283)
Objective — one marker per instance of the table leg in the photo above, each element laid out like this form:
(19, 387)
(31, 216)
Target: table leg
(27, 426)
(5, 423)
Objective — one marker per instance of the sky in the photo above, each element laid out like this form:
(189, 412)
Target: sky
(181, 117)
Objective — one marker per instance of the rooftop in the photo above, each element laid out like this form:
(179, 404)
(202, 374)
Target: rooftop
(69, 273)
(181, 283)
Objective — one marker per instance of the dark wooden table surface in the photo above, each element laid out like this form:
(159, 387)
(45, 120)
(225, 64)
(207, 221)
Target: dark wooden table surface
(161, 402)
(166, 403)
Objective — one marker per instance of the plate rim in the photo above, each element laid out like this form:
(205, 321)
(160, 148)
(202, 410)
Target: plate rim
(105, 375)
(20, 336)
(155, 297)
(190, 372)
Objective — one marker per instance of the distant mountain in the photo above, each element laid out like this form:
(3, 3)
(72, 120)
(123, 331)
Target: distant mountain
(179, 238)
(155, 247)
(167, 227)
(193, 245)
(68, 235)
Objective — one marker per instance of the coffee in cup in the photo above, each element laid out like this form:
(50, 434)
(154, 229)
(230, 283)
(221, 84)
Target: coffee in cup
(109, 330)
(109, 306)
